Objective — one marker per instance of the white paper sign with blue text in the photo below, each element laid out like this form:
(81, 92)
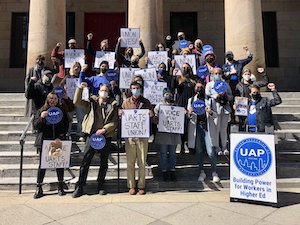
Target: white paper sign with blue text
(74, 55)
(153, 91)
(171, 119)
(182, 59)
(253, 167)
(130, 37)
(110, 57)
(125, 78)
(157, 57)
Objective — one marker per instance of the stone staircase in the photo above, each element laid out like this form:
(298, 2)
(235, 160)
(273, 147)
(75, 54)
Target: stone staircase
(12, 123)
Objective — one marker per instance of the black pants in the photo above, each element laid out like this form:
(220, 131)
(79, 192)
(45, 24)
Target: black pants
(86, 162)
(42, 172)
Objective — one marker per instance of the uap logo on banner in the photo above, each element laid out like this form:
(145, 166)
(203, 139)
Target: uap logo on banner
(199, 107)
(220, 86)
(55, 115)
(97, 142)
(252, 157)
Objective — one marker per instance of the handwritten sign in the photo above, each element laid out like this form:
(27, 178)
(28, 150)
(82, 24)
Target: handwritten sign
(182, 59)
(55, 154)
(171, 119)
(154, 91)
(157, 57)
(135, 123)
(147, 74)
(241, 104)
(71, 84)
(110, 57)
(126, 75)
(54, 116)
(130, 37)
(74, 55)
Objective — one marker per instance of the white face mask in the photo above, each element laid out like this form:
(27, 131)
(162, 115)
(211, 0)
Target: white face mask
(103, 94)
(246, 77)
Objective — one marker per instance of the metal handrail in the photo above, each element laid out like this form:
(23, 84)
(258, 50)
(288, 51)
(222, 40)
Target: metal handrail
(22, 142)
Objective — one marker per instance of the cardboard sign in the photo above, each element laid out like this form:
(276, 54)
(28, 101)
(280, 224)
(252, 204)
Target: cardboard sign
(55, 154)
(97, 142)
(110, 57)
(72, 84)
(74, 55)
(126, 75)
(154, 91)
(135, 123)
(253, 167)
(241, 104)
(147, 74)
(157, 57)
(55, 115)
(190, 59)
(130, 37)
(171, 119)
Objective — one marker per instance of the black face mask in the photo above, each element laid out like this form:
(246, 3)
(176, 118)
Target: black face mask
(200, 93)
(255, 96)
(210, 60)
(230, 58)
(186, 71)
(180, 38)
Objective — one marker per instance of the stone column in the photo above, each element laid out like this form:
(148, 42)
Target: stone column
(147, 15)
(243, 26)
(47, 26)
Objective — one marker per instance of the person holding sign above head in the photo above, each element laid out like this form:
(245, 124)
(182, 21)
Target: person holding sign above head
(56, 129)
(198, 136)
(89, 46)
(100, 123)
(167, 142)
(218, 95)
(136, 148)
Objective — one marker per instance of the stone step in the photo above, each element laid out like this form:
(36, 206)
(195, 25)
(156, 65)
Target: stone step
(288, 125)
(11, 126)
(290, 144)
(282, 117)
(13, 102)
(290, 101)
(13, 117)
(8, 109)
(288, 134)
(12, 97)
(283, 95)
(290, 109)
(15, 135)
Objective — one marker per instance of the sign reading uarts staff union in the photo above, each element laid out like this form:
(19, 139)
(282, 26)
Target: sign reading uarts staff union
(252, 167)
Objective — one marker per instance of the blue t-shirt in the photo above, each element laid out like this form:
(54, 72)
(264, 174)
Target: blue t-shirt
(93, 82)
(252, 117)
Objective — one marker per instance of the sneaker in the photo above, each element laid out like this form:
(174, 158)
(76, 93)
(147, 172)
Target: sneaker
(132, 191)
(220, 153)
(81, 139)
(202, 176)
(141, 191)
(102, 192)
(226, 152)
(216, 178)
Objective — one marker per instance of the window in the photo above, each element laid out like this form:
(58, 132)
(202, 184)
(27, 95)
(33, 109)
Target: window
(18, 41)
(270, 39)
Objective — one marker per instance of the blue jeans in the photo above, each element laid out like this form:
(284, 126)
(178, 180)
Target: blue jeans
(203, 141)
(166, 163)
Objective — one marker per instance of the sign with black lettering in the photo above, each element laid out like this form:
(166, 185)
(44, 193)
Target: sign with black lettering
(182, 59)
(126, 75)
(157, 57)
(154, 91)
(130, 37)
(72, 56)
(135, 123)
(147, 74)
(55, 154)
(72, 84)
(105, 56)
(171, 119)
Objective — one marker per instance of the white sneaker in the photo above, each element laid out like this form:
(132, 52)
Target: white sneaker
(202, 176)
(81, 139)
(216, 178)
(226, 152)
(219, 153)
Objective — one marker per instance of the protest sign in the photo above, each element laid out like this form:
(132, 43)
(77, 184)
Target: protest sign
(135, 123)
(97, 142)
(126, 75)
(54, 116)
(171, 119)
(105, 56)
(147, 74)
(157, 57)
(112, 75)
(199, 107)
(71, 84)
(55, 154)
(59, 91)
(190, 59)
(130, 37)
(154, 91)
(220, 86)
(241, 104)
(74, 55)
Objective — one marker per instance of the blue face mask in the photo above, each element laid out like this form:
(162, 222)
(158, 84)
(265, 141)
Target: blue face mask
(217, 77)
(136, 92)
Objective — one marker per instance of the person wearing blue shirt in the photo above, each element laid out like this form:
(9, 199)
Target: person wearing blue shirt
(94, 82)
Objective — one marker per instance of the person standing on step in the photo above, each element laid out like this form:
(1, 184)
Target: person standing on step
(101, 118)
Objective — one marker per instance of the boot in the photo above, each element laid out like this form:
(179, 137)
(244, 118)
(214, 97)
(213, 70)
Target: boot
(78, 192)
(39, 192)
(61, 190)
(165, 175)
(173, 176)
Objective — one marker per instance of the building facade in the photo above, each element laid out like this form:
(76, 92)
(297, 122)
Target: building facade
(270, 28)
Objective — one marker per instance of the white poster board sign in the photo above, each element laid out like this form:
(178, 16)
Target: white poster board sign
(135, 123)
(110, 57)
(253, 167)
(125, 78)
(130, 37)
(157, 57)
(74, 55)
(154, 91)
(171, 119)
(71, 84)
(190, 59)
(241, 104)
(55, 154)
(147, 74)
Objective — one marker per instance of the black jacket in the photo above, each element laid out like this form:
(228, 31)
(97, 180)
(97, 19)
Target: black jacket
(242, 89)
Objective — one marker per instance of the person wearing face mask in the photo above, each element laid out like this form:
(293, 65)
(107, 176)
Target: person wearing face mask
(94, 82)
(167, 142)
(129, 59)
(136, 148)
(218, 104)
(180, 37)
(260, 112)
(197, 50)
(210, 61)
(198, 137)
(101, 118)
(89, 46)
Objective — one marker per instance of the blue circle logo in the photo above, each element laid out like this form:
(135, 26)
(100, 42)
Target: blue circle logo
(97, 142)
(252, 157)
(220, 86)
(207, 48)
(55, 115)
(183, 44)
(202, 72)
(59, 91)
(199, 107)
